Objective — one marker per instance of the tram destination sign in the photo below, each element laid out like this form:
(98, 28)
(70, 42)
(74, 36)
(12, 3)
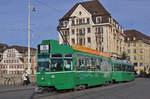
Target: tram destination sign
(44, 48)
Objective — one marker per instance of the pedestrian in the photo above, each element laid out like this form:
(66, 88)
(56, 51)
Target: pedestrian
(25, 80)
(28, 79)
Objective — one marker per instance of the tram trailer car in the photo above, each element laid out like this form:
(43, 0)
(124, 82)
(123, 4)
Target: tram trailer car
(122, 71)
(74, 67)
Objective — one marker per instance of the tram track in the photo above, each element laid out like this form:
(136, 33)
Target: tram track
(54, 93)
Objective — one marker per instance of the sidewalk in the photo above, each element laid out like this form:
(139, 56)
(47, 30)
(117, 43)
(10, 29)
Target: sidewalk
(4, 89)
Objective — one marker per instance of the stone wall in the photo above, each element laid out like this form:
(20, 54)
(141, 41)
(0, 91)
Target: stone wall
(15, 80)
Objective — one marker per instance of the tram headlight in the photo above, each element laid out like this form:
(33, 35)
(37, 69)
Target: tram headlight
(42, 78)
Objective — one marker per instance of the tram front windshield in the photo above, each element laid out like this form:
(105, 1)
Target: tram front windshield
(43, 63)
(55, 63)
(43, 66)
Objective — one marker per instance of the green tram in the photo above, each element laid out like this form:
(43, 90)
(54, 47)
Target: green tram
(122, 71)
(76, 67)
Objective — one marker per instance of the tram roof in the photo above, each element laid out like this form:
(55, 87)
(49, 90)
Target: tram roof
(89, 50)
(122, 61)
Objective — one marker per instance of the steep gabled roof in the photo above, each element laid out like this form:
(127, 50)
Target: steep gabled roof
(94, 7)
(131, 34)
(21, 49)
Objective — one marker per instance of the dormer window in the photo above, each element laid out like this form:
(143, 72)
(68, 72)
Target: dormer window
(65, 23)
(98, 19)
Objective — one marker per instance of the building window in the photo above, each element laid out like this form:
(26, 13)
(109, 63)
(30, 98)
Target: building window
(89, 40)
(135, 51)
(88, 20)
(72, 31)
(80, 41)
(99, 30)
(80, 21)
(141, 50)
(141, 57)
(77, 22)
(134, 44)
(98, 19)
(128, 51)
(72, 22)
(128, 57)
(134, 57)
(80, 13)
(128, 44)
(89, 30)
(102, 39)
(80, 31)
(73, 41)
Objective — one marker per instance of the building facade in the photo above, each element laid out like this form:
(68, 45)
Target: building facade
(13, 61)
(138, 48)
(90, 24)
(2, 48)
(33, 61)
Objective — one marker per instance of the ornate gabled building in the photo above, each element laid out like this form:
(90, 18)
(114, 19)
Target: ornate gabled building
(138, 48)
(2, 48)
(14, 60)
(90, 24)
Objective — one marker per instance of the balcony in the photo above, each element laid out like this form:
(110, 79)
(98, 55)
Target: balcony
(79, 24)
(80, 34)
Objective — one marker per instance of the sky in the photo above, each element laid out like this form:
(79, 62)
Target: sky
(130, 14)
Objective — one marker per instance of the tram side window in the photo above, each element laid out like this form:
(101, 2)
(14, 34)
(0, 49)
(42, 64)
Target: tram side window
(93, 64)
(68, 62)
(81, 63)
(56, 62)
(123, 67)
(132, 68)
(88, 63)
(98, 64)
(128, 68)
(103, 65)
(106, 65)
(109, 66)
(118, 67)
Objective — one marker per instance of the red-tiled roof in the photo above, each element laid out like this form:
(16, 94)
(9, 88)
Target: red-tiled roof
(94, 7)
(131, 34)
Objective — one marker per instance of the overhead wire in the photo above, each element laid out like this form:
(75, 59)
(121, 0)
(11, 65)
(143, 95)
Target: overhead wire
(51, 7)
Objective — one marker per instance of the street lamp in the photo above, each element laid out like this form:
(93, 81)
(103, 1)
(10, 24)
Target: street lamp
(29, 29)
